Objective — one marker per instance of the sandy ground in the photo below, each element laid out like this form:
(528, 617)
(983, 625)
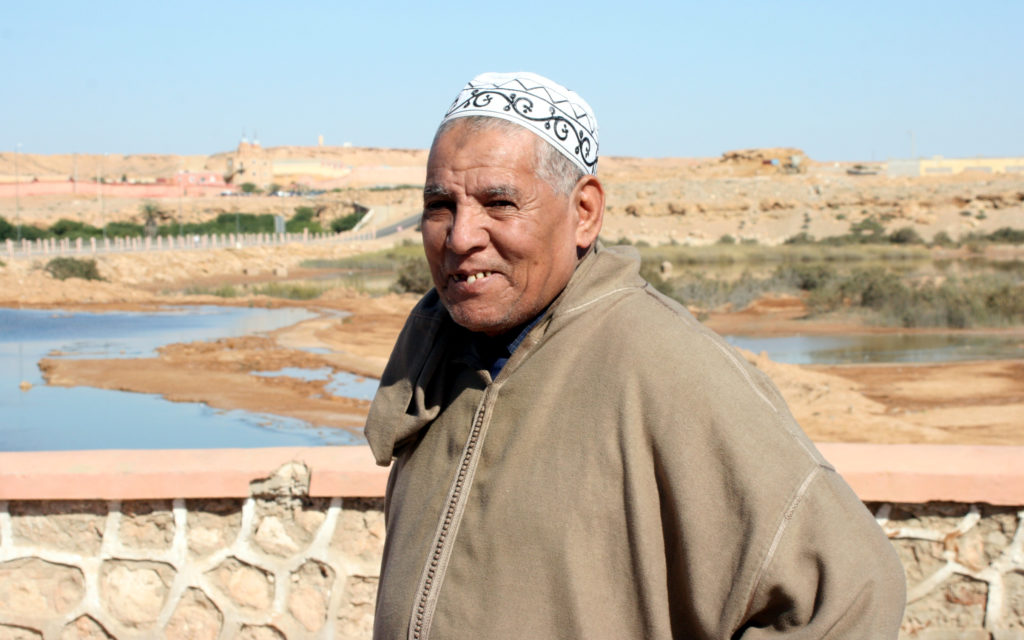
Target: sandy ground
(691, 201)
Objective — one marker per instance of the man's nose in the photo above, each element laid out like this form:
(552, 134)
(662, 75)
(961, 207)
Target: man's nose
(468, 231)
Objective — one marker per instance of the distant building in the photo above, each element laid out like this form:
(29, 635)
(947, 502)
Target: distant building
(937, 165)
(250, 163)
(198, 178)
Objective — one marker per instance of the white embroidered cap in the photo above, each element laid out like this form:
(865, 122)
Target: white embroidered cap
(559, 116)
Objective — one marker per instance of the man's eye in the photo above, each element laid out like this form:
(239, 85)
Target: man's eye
(501, 203)
(435, 207)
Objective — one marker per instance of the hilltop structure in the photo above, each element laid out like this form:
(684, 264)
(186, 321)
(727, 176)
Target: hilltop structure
(252, 163)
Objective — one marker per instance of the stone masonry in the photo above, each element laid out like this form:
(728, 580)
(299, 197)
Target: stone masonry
(278, 564)
(282, 564)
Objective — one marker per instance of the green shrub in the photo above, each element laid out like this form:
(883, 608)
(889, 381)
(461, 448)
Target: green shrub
(806, 277)
(124, 229)
(1007, 235)
(64, 268)
(31, 232)
(249, 187)
(65, 228)
(906, 235)
(414, 276)
(303, 220)
(727, 239)
(289, 290)
(346, 223)
(942, 239)
(223, 291)
(7, 230)
(801, 238)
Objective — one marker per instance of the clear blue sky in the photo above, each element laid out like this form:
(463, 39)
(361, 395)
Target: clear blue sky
(842, 80)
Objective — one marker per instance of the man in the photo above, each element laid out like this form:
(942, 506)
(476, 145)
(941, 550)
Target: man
(574, 456)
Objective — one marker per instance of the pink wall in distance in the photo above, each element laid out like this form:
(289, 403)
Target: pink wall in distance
(110, 190)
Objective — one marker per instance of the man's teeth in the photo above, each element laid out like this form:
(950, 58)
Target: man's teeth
(470, 279)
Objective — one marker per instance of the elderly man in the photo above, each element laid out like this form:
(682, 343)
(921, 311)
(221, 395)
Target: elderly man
(574, 456)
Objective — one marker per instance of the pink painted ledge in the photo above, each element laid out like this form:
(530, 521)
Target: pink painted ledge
(878, 473)
(182, 473)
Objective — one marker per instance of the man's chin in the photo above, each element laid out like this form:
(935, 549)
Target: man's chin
(488, 323)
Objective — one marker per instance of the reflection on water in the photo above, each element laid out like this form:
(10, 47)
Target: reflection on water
(57, 418)
(878, 348)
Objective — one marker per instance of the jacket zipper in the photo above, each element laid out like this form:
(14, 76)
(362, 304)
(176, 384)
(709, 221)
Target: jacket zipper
(437, 563)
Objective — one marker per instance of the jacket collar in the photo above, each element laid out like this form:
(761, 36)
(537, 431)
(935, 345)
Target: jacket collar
(411, 389)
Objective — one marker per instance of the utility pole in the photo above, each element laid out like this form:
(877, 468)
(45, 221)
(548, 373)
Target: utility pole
(17, 189)
(99, 186)
(181, 189)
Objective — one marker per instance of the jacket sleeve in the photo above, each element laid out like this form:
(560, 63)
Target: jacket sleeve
(830, 572)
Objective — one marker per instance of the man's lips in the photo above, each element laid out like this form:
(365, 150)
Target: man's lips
(469, 278)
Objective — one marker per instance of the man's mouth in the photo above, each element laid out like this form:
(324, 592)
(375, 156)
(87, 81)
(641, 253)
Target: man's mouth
(470, 278)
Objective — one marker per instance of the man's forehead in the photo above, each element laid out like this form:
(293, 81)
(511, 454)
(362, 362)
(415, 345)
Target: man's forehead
(482, 152)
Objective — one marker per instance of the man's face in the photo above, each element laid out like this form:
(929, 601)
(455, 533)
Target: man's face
(501, 244)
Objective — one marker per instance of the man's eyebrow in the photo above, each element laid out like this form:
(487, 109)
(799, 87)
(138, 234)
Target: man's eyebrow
(436, 191)
(502, 191)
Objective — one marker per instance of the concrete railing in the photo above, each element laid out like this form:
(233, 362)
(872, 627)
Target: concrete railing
(56, 247)
(286, 542)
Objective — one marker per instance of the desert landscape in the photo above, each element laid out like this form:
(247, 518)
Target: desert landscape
(670, 201)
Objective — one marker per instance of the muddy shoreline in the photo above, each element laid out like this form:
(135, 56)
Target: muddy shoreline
(963, 403)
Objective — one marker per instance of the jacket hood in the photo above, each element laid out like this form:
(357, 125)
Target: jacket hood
(406, 401)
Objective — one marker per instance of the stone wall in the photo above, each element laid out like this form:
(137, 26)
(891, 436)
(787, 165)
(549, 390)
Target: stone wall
(285, 554)
(278, 564)
(965, 569)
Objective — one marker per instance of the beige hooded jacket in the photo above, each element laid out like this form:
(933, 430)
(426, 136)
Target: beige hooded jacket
(626, 475)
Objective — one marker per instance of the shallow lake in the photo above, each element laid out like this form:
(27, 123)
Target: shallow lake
(59, 418)
(879, 348)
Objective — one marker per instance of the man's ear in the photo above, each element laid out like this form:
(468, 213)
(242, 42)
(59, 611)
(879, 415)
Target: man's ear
(588, 200)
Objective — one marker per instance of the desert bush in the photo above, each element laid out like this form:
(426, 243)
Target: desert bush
(221, 291)
(806, 277)
(801, 238)
(302, 220)
(289, 290)
(942, 239)
(906, 235)
(7, 230)
(32, 232)
(64, 268)
(346, 223)
(124, 229)
(727, 239)
(65, 228)
(1007, 235)
(414, 276)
